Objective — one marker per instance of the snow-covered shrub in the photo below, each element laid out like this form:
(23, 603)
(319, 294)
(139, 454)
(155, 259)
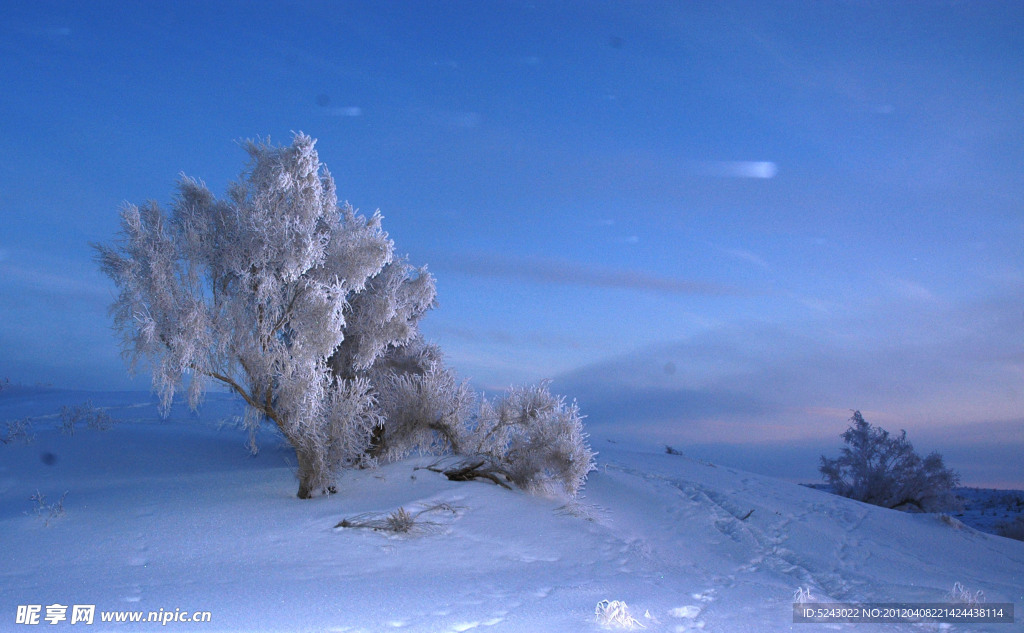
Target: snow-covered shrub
(961, 595)
(425, 412)
(400, 521)
(884, 470)
(99, 420)
(95, 418)
(69, 417)
(277, 292)
(615, 613)
(534, 439)
(802, 595)
(47, 512)
(528, 438)
(19, 430)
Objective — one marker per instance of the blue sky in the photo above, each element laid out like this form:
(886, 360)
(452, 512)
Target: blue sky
(724, 223)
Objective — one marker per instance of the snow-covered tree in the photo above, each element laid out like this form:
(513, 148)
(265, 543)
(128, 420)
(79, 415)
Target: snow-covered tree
(884, 470)
(299, 306)
(279, 293)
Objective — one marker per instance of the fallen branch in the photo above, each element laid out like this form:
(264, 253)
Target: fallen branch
(470, 470)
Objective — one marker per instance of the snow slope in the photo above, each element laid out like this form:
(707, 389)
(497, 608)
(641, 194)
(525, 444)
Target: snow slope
(176, 515)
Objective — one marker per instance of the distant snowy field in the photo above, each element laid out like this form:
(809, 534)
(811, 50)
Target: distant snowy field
(176, 515)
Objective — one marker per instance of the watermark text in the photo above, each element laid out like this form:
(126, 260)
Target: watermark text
(51, 614)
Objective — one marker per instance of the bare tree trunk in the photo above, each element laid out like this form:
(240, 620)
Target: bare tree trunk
(311, 481)
(306, 470)
(305, 475)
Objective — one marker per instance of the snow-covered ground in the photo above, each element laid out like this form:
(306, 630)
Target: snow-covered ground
(990, 510)
(176, 515)
(986, 509)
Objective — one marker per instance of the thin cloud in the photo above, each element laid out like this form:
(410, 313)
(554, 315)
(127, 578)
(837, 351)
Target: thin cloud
(346, 111)
(758, 169)
(534, 338)
(937, 366)
(464, 120)
(571, 273)
(28, 280)
(748, 256)
(911, 290)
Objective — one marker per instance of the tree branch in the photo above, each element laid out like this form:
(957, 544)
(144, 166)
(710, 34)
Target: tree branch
(468, 471)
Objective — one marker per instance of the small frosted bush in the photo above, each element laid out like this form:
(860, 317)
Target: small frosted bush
(535, 439)
(803, 595)
(962, 595)
(615, 613)
(528, 438)
(400, 521)
(95, 418)
(48, 512)
(18, 431)
(881, 469)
